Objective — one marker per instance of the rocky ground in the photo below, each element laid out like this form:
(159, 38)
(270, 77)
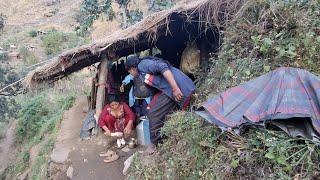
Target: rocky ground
(80, 159)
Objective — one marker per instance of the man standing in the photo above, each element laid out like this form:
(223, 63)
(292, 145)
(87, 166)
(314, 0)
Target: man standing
(174, 89)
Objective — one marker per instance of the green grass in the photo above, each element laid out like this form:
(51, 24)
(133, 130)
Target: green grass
(195, 150)
(39, 115)
(38, 122)
(37, 171)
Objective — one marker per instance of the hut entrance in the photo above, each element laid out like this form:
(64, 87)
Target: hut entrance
(185, 44)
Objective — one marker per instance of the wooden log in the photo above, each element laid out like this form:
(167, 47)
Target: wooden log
(101, 88)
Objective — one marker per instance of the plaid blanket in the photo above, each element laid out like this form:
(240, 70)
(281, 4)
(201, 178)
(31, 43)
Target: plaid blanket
(281, 94)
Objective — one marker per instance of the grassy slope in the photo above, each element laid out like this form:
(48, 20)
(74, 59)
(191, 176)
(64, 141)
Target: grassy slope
(263, 35)
(38, 122)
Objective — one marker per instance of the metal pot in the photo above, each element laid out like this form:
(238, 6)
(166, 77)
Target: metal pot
(132, 143)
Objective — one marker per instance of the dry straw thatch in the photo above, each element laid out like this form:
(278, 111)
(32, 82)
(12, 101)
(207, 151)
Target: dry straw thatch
(208, 13)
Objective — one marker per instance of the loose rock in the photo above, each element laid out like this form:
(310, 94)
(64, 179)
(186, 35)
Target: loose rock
(70, 172)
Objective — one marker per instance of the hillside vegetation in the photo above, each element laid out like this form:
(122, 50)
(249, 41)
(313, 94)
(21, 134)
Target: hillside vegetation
(32, 32)
(262, 36)
(37, 125)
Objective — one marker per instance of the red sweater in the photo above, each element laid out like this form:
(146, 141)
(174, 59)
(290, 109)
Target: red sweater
(106, 119)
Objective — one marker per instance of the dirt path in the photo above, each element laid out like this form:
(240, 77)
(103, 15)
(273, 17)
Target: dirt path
(6, 146)
(83, 156)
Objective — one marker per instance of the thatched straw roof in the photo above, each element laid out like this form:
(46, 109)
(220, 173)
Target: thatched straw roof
(141, 36)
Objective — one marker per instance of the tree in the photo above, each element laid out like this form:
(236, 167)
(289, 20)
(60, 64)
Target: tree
(124, 11)
(159, 5)
(90, 10)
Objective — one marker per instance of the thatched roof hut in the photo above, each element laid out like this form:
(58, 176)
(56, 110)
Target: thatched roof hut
(168, 30)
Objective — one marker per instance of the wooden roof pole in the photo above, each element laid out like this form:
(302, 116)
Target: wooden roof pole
(102, 84)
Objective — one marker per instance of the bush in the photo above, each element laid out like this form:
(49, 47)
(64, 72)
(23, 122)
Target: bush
(33, 33)
(54, 42)
(31, 118)
(29, 57)
(37, 124)
(37, 117)
(23, 51)
(9, 41)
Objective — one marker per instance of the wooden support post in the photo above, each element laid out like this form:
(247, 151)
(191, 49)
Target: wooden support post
(93, 94)
(101, 89)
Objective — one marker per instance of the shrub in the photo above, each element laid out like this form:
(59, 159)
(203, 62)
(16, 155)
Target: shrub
(33, 33)
(23, 51)
(31, 118)
(9, 41)
(37, 124)
(55, 41)
(28, 57)
(39, 115)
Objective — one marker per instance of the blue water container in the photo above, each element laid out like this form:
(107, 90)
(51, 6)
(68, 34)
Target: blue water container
(143, 132)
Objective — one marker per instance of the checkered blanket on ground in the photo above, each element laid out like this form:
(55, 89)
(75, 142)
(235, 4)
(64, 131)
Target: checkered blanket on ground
(281, 94)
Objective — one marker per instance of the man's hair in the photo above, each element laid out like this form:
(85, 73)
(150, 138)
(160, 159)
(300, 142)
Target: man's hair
(132, 61)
